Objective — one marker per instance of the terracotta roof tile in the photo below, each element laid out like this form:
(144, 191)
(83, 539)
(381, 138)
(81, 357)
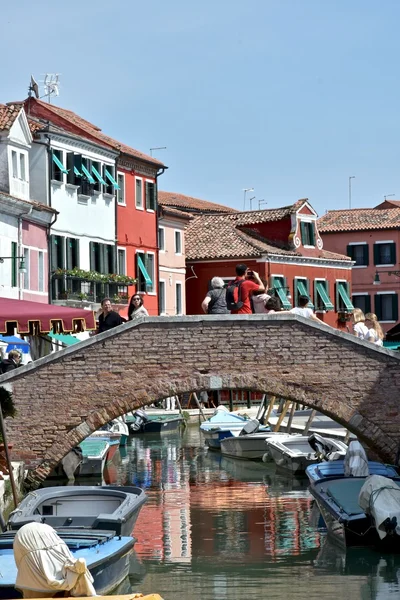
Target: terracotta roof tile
(92, 130)
(33, 203)
(190, 203)
(8, 114)
(174, 212)
(360, 219)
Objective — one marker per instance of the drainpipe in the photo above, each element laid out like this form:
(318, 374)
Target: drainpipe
(156, 267)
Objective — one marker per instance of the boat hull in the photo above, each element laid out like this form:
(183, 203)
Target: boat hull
(160, 425)
(294, 464)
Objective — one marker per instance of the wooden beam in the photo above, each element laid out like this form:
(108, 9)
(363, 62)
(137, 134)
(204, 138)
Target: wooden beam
(309, 422)
(289, 425)
(282, 415)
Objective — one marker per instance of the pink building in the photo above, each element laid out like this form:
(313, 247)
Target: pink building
(371, 237)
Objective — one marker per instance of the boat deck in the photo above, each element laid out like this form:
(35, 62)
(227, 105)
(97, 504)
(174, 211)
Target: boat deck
(345, 493)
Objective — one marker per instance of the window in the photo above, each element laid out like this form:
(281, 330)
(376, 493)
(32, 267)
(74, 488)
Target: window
(302, 288)
(307, 233)
(108, 176)
(26, 275)
(321, 296)
(96, 174)
(72, 253)
(57, 165)
(385, 253)
(14, 267)
(57, 252)
(343, 302)
(102, 257)
(358, 253)
(144, 272)
(178, 242)
(161, 297)
(362, 301)
(138, 194)
(151, 201)
(121, 255)
(74, 168)
(178, 298)
(161, 239)
(41, 271)
(121, 191)
(22, 167)
(280, 289)
(386, 307)
(14, 160)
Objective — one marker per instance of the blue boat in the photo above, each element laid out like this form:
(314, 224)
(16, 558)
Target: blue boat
(335, 469)
(106, 556)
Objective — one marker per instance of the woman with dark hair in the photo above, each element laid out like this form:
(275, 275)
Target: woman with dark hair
(136, 308)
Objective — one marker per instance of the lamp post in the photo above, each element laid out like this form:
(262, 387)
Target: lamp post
(250, 202)
(21, 268)
(350, 178)
(245, 190)
(377, 280)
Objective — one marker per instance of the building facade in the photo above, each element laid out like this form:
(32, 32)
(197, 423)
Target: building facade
(172, 269)
(24, 223)
(371, 238)
(283, 245)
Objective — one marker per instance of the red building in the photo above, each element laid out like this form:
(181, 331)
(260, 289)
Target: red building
(371, 237)
(283, 245)
(133, 180)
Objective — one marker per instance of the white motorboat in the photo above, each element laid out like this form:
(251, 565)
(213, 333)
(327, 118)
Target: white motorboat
(296, 453)
(251, 446)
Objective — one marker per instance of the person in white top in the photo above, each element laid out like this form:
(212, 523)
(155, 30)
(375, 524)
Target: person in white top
(303, 310)
(258, 300)
(375, 333)
(360, 329)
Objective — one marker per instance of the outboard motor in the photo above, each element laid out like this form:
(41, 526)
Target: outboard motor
(321, 446)
(140, 419)
(251, 426)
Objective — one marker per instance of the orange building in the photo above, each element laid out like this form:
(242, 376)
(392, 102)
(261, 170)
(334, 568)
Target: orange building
(283, 245)
(371, 237)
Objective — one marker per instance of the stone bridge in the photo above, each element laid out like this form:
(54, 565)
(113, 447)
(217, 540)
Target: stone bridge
(64, 397)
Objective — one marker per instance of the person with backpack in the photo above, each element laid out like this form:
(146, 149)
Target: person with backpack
(239, 291)
(215, 301)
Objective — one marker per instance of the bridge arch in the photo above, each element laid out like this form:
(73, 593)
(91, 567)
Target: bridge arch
(63, 398)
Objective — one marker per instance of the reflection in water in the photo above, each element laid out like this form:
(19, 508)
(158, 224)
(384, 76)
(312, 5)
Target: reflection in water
(216, 527)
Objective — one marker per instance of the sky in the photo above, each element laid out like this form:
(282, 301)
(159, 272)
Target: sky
(289, 97)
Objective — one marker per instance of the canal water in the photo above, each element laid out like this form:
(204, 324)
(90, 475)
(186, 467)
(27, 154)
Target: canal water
(219, 528)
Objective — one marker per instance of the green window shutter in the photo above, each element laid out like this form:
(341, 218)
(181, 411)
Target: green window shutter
(350, 252)
(376, 254)
(368, 303)
(378, 306)
(69, 243)
(395, 307)
(312, 234)
(393, 254)
(303, 233)
(14, 272)
(103, 258)
(92, 256)
(366, 254)
(77, 255)
(147, 195)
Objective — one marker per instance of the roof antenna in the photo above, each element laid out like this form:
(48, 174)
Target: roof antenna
(33, 87)
(51, 86)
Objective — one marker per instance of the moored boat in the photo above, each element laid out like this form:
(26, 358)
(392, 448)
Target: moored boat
(335, 469)
(296, 453)
(252, 446)
(89, 507)
(106, 556)
(224, 424)
(94, 453)
(142, 422)
(112, 437)
(340, 503)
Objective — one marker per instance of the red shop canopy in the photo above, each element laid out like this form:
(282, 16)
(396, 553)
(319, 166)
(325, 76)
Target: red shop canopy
(34, 317)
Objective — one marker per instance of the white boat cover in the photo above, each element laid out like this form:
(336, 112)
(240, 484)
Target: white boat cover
(356, 461)
(380, 498)
(45, 563)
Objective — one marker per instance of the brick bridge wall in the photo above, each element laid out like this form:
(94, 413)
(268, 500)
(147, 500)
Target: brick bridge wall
(64, 397)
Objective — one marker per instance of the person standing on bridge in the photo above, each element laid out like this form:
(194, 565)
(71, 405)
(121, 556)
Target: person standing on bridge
(136, 308)
(239, 291)
(109, 318)
(375, 333)
(360, 329)
(303, 310)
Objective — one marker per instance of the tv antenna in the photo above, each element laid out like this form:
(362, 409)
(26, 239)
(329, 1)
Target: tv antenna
(51, 86)
(33, 88)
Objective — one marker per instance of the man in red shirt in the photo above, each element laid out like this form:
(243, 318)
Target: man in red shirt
(251, 282)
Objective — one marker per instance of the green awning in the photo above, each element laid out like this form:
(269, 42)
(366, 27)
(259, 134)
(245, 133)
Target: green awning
(77, 172)
(143, 270)
(301, 288)
(277, 285)
(111, 178)
(88, 175)
(391, 345)
(59, 164)
(98, 176)
(323, 294)
(342, 291)
(67, 340)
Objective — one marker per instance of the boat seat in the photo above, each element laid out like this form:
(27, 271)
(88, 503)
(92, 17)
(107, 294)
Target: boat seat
(345, 493)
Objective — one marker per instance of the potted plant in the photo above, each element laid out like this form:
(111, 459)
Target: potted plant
(82, 296)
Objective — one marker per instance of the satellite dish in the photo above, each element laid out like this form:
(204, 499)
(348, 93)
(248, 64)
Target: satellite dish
(34, 87)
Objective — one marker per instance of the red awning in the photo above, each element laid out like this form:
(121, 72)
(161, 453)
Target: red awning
(34, 317)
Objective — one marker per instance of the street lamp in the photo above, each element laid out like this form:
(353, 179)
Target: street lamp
(21, 268)
(350, 178)
(245, 190)
(377, 280)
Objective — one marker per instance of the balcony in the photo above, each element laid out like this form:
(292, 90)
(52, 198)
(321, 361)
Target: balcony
(84, 289)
